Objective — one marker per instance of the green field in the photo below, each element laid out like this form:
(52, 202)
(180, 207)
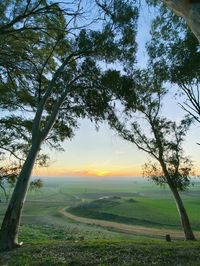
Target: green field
(132, 202)
(43, 227)
(140, 210)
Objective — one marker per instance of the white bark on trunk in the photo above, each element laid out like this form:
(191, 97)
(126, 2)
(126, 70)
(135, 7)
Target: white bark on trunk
(10, 226)
(189, 10)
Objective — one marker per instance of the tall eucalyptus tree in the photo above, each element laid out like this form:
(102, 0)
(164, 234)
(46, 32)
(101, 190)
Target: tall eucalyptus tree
(57, 80)
(141, 123)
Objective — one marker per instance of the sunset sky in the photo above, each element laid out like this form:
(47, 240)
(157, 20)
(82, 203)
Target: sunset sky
(103, 153)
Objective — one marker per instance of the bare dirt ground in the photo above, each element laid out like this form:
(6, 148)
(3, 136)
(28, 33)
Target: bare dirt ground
(129, 229)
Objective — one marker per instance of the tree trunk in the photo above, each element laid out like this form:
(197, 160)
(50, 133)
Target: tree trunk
(179, 204)
(189, 10)
(10, 226)
(183, 215)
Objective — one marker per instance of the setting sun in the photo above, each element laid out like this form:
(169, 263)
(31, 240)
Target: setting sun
(102, 173)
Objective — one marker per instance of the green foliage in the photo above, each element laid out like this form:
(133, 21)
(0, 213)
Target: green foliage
(8, 177)
(173, 49)
(181, 180)
(36, 184)
(28, 31)
(169, 142)
(175, 56)
(43, 57)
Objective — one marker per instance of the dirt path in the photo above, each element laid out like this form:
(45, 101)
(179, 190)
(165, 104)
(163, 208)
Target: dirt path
(125, 228)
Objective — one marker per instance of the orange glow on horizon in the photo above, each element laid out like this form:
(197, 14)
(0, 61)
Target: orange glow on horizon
(96, 171)
(64, 172)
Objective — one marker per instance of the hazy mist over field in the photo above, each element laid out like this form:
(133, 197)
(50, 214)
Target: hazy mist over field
(105, 179)
(93, 178)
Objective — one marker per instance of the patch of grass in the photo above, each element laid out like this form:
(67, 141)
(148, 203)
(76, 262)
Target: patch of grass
(105, 253)
(91, 213)
(33, 233)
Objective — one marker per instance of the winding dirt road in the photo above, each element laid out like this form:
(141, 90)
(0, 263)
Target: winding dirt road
(129, 229)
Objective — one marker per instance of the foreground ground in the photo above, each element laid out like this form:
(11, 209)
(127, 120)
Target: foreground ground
(104, 253)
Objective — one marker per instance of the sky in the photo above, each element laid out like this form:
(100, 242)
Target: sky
(103, 154)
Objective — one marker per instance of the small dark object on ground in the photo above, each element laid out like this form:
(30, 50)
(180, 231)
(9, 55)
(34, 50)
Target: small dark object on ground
(168, 238)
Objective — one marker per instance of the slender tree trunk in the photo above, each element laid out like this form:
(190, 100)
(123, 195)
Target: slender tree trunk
(183, 215)
(179, 204)
(189, 10)
(10, 226)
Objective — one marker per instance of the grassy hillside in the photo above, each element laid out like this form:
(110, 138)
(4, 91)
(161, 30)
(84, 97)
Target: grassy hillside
(52, 239)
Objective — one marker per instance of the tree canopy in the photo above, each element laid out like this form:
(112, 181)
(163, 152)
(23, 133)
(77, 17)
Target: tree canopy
(175, 56)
